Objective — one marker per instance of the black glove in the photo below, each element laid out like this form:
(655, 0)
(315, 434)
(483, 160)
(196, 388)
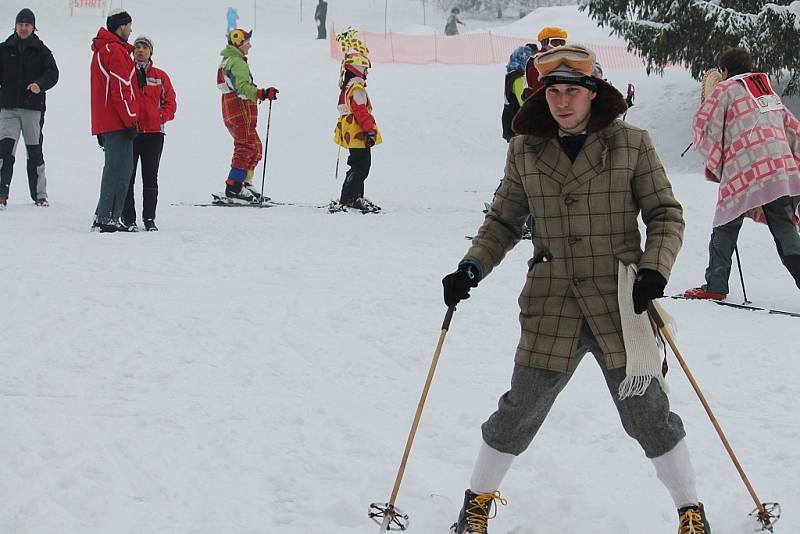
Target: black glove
(457, 284)
(131, 132)
(369, 140)
(648, 285)
(100, 141)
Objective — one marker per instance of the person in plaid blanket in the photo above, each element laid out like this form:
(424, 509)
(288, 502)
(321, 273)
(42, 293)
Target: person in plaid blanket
(240, 115)
(751, 143)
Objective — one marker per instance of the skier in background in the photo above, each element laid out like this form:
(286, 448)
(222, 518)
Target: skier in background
(356, 129)
(240, 115)
(549, 37)
(320, 14)
(515, 85)
(751, 143)
(451, 27)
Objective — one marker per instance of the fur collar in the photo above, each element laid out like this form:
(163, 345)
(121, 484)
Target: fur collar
(534, 117)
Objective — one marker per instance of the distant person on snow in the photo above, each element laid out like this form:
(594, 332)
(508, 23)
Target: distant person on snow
(356, 129)
(549, 37)
(157, 105)
(115, 109)
(240, 115)
(515, 85)
(320, 14)
(751, 143)
(587, 288)
(27, 71)
(451, 26)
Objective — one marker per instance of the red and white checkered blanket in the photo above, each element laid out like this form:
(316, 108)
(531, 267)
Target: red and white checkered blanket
(751, 143)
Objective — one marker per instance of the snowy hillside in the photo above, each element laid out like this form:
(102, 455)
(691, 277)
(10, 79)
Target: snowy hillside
(248, 371)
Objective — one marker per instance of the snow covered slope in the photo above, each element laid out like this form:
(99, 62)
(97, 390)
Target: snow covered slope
(247, 371)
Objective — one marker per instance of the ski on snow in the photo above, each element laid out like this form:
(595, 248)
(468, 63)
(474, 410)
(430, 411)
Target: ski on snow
(220, 200)
(748, 307)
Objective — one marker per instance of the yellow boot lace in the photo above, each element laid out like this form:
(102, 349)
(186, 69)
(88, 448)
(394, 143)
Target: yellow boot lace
(691, 523)
(478, 512)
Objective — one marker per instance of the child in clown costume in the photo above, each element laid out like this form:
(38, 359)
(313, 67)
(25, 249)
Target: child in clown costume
(356, 129)
(240, 115)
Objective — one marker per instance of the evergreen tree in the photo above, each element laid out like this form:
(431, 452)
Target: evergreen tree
(695, 32)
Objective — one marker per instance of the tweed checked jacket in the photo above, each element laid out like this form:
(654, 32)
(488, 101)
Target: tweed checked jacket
(585, 221)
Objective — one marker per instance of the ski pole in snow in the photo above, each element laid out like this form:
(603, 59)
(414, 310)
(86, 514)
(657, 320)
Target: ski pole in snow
(266, 145)
(767, 513)
(685, 150)
(741, 276)
(338, 154)
(385, 514)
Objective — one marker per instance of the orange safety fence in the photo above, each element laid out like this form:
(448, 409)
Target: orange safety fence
(465, 49)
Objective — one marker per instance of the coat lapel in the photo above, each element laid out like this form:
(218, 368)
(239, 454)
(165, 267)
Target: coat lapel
(552, 162)
(589, 163)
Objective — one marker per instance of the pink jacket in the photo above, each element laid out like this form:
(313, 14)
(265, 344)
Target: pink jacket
(751, 143)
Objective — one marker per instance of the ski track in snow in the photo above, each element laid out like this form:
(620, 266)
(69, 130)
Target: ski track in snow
(251, 370)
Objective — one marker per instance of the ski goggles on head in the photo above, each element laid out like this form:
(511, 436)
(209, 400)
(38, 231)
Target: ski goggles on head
(555, 41)
(568, 60)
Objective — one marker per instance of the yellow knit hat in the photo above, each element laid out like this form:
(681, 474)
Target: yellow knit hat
(549, 32)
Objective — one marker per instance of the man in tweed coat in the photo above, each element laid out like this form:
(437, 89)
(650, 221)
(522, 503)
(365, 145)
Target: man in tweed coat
(585, 177)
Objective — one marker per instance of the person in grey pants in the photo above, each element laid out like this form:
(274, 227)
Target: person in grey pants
(114, 116)
(586, 178)
(27, 71)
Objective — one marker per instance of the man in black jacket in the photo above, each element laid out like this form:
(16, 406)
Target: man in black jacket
(27, 71)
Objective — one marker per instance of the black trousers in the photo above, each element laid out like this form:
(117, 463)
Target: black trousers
(148, 148)
(360, 160)
(321, 30)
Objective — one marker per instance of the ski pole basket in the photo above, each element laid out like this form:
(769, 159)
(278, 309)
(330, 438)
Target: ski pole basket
(389, 517)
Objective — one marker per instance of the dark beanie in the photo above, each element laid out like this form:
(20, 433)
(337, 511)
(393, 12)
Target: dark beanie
(116, 19)
(26, 16)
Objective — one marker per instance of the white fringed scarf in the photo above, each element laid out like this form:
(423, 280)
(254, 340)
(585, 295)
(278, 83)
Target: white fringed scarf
(643, 347)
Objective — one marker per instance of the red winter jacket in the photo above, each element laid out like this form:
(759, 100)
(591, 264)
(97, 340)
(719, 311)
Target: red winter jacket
(113, 89)
(361, 112)
(156, 98)
(532, 83)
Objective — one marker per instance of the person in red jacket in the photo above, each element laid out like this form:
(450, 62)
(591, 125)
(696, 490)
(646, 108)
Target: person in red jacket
(157, 105)
(114, 115)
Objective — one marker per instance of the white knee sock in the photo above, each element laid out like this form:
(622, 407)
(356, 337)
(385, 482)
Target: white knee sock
(674, 469)
(490, 469)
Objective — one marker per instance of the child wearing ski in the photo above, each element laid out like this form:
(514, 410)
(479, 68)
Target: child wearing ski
(356, 129)
(240, 115)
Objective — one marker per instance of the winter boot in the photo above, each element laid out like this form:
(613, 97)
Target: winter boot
(124, 226)
(3, 202)
(364, 204)
(150, 225)
(42, 202)
(104, 228)
(474, 516)
(703, 293)
(235, 191)
(257, 196)
(692, 520)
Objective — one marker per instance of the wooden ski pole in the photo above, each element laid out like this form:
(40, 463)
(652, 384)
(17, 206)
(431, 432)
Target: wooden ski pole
(391, 514)
(763, 515)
